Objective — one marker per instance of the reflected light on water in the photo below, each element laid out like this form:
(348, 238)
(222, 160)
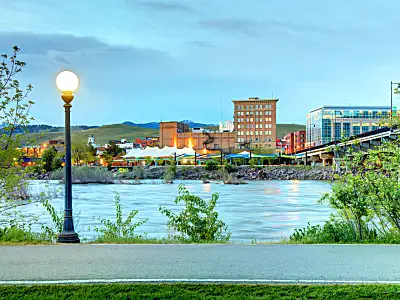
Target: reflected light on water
(206, 187)
(294, 186)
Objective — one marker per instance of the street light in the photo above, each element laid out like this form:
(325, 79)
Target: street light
(391, 95)
(67, 82)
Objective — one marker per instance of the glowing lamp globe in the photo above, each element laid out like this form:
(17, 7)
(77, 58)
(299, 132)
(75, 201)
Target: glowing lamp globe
(67, 82)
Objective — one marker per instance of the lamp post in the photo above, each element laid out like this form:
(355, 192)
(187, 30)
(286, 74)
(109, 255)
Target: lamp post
(67, 82)
(391, 95)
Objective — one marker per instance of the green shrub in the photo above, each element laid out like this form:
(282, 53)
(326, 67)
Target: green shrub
(120, 229)
(253, 162)
(229, 168)
(211, 165)
(136, 173)
(86, 174)
(170, 173)
(198, 221)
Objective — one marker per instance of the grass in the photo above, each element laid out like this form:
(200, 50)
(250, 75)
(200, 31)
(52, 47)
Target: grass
(145, 240)
(283, 129)
(16, 236)
(102, 134)
(199, 291)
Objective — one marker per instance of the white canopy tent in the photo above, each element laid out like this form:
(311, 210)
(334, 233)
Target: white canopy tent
(157, 152)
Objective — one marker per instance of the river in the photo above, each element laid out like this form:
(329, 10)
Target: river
(261, 210)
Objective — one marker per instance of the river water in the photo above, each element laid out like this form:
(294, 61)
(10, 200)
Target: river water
(261, 210)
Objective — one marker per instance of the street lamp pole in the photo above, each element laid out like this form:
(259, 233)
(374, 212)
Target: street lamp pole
(67, 83)
(391, 95)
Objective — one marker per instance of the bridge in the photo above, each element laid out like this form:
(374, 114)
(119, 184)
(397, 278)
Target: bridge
(333, 153)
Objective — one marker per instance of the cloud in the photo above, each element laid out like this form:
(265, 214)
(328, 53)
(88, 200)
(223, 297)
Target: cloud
(231, 25)
(199, 44)
(164, 6)
(257, 28)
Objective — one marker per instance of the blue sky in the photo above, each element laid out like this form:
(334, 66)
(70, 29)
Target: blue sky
(146, 60)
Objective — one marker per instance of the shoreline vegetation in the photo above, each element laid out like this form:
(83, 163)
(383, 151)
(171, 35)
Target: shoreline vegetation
(228, 175)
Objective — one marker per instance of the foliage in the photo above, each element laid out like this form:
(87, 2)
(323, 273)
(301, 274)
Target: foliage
(120, 229)
(253, 162)
(86, 174)
(136, 173)
(82, 153)
(51, 159)
(211, 165)
(16, 234)
(114, 150)
(170, 173)
(198, 221)
(366, 199)
(178, 291)
(14, 116)
(229, 168)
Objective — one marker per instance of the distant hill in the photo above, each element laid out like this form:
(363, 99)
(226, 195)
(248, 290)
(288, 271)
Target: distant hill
(105, 133)
(156, 125)
(283, 129)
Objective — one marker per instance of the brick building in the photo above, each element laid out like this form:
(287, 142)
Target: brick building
(295, 141)
(177, 134)
(148, 141)
(255, 123)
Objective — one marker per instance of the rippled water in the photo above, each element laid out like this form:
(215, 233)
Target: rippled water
(264, 210)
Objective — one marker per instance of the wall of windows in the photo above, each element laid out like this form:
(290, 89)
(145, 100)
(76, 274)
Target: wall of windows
(328, 124)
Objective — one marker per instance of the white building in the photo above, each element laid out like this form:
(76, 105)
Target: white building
(226, 126)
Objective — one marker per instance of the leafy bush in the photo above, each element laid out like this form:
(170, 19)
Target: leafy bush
(211, 165)
(15, 234)
(253, 162)
(198, 221)
(332, 232)
(136, 173)
(120, 229)
(229, 168)
(47, 158)
(86, 174)
(170, 173)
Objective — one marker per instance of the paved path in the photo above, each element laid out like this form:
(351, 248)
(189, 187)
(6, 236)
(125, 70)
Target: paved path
(221, 263)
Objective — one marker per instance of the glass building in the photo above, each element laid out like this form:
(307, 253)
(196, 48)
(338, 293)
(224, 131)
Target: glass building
(331, 123)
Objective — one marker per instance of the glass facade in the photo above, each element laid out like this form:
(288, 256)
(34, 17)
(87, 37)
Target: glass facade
(331, 123)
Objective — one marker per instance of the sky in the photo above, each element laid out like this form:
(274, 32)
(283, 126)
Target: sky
(152, 60)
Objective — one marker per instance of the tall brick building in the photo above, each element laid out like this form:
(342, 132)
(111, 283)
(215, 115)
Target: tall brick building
(255, 123)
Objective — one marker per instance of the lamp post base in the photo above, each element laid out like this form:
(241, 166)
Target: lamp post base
(68, 237)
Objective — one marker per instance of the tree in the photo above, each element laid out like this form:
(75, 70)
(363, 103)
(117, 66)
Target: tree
(82, 153)
(14, 116)
(114, 150)
(48, 157)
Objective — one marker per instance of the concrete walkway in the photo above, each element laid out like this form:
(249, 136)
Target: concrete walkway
(204, 263)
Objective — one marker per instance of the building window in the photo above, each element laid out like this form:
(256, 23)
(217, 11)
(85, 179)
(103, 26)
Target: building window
(238, 140)
(260, 113)
(247, 132)
(238, 126)
(256, 125)
(256, 139)
(247, 119)
(251, 125)
(256, 132)
(251, 132)
(251, 113)
(261, 126)
(256, 106)
(247, 107)
(251, 119)
(256, 113)
(247, 113)
(256, 119)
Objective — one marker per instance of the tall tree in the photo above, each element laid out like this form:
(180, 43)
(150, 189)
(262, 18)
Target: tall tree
(14, 115)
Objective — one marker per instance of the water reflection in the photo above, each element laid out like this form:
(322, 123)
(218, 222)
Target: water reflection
(265, 210)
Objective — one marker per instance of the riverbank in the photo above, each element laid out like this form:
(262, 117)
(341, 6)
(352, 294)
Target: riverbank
(199, 173)
(240, 172)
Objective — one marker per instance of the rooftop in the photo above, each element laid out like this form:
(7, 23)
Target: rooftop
(257, 99)
(349, 107)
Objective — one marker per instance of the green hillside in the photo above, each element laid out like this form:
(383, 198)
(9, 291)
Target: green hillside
(102, 134)
(283, 129)
(105, 133)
